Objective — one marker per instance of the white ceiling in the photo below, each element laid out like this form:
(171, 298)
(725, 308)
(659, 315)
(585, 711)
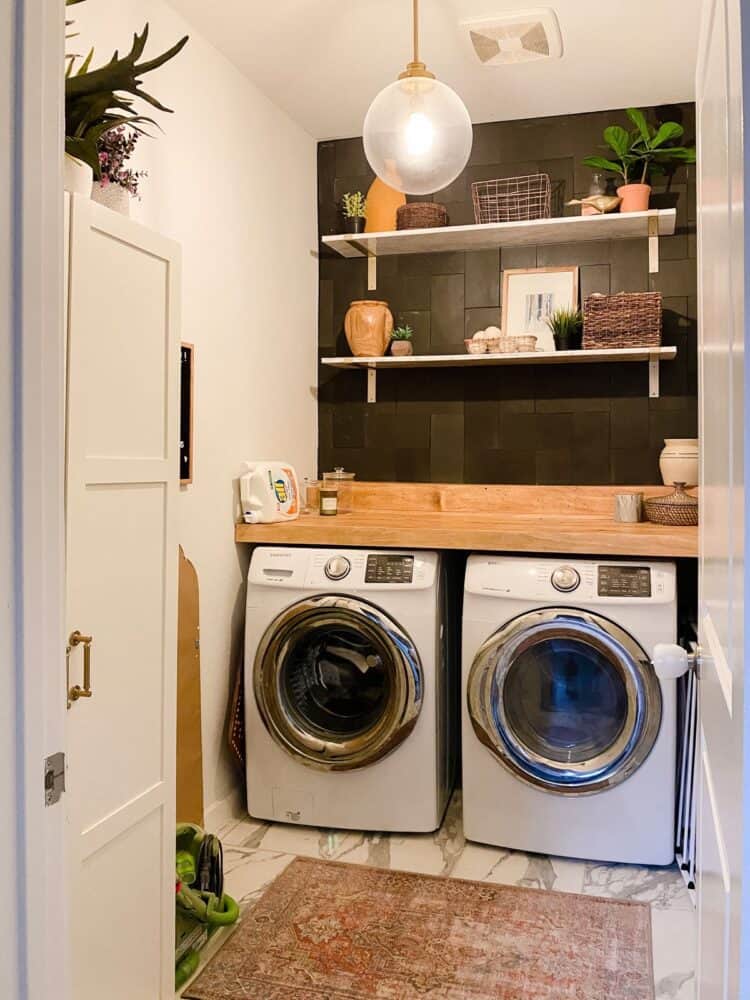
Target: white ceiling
(324, 60)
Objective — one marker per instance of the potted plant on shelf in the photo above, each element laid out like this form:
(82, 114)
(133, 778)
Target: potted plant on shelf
(401, 344)
(96, 101)
(567, 327)
(118, 183)
(639, 153)
(354, 208)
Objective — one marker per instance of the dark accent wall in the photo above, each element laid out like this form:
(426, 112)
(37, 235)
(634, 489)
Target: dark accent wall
(582, 424)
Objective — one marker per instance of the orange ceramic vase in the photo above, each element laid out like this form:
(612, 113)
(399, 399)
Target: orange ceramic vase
(368, 326)
(383, 202)
(634, 197)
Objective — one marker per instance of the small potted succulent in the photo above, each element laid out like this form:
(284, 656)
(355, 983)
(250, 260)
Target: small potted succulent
(567, 327)
(118, 183)
(401, 344)
(645, 150)
(354, 209)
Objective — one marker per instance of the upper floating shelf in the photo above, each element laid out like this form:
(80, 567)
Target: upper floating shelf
(447, 239)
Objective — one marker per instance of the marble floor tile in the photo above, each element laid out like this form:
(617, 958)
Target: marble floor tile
(663, 888)
(674, 935)
(256, 852)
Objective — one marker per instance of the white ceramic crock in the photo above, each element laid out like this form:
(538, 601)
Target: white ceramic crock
(678, 461)
(77, 176)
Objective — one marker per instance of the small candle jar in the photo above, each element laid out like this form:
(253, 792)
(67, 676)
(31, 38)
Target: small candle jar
(329, 500)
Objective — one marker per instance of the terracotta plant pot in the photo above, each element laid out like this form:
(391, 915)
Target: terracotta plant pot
(634, 197)
(368, 326)
(401, 348)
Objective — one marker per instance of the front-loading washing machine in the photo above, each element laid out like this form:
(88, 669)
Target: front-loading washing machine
(569, 735)
(349, 688)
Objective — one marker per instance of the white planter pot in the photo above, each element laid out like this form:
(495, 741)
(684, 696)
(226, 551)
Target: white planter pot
(77, 176)
(678, 461)
(113, 196)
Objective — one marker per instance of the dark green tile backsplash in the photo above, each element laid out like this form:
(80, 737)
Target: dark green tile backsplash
(589, 424)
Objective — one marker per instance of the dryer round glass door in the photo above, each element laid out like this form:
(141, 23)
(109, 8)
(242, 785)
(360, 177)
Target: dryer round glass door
(566, 699)
(337, 682)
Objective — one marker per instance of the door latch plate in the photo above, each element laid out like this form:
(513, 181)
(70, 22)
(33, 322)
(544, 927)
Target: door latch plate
(54, 778)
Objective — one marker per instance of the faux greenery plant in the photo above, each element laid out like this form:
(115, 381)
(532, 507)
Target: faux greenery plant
(566, 326)
(643, 150)
(96, 99)
(403, 332)
(354, 205)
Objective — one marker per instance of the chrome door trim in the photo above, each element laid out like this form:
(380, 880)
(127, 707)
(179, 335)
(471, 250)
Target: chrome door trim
(288, 729)
(487, 710)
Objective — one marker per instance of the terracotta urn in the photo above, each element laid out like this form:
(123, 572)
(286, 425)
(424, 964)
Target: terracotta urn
(634, 197)
(368, 326)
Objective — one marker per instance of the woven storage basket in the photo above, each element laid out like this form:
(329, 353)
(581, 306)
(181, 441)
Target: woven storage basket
(678, 508)
(512, 199)
(628, 319)
(421, 215)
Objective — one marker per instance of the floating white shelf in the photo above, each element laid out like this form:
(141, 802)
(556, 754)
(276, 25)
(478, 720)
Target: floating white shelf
(569, 229)
(651, 355)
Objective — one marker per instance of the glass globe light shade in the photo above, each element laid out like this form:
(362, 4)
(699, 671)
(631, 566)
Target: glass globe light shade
(417, 135)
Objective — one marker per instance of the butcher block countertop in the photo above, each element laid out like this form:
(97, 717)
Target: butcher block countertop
(566, 520)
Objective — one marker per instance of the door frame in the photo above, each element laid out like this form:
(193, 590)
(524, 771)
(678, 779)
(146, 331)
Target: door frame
(32, 477)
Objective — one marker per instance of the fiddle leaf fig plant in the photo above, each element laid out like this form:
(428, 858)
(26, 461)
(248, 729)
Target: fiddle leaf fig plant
(96, 100)
(642, 151)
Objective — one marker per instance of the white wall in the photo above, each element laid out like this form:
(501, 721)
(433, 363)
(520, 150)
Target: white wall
(234, 180)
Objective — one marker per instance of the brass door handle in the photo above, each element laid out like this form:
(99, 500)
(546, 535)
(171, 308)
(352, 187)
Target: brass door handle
(77, 639)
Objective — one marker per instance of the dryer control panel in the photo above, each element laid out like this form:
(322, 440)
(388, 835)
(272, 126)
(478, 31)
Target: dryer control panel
(624, 581)
(385, 567)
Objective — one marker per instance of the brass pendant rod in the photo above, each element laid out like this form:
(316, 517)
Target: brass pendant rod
(415, 23)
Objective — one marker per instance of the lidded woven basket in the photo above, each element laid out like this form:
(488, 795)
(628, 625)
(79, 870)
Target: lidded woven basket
(421, 215)
(627, 319)
(678, 508)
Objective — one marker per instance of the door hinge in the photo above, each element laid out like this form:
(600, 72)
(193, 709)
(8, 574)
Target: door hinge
(54, 778)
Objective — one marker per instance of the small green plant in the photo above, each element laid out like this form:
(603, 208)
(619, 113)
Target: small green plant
(403, 332)
(354, 206)
(565, 323)
(644, 150)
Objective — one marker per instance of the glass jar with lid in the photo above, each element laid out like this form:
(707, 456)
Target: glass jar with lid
(344, 483)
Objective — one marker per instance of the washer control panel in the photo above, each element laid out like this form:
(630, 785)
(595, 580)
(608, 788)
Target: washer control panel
(337, 568)
(386, 568)
(624, 581)
(565, 579)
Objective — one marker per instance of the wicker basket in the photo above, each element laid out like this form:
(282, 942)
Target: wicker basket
(678, 508)
(512, 199)
(421, 215)
(628, 319)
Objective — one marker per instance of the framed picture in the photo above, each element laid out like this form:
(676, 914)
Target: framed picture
(531, 295)
(187, 373)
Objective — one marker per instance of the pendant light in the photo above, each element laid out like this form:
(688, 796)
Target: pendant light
(417, 133)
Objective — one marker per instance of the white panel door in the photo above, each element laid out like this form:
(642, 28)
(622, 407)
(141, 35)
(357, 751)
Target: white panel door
(722, 894)
(122, 559)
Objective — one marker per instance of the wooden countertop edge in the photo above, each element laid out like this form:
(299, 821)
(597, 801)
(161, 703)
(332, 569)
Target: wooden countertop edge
(574, 535)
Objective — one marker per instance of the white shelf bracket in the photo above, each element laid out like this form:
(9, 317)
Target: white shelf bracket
(653, 245)
(653, 378)
(372, 272)
(372, 384)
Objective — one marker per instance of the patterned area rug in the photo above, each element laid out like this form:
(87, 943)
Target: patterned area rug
(330, 931)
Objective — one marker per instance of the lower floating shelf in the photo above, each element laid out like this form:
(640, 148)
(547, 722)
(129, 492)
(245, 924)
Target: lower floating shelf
(651, 355)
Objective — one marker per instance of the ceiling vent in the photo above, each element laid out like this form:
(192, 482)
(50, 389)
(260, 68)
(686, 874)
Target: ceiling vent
(515, 37)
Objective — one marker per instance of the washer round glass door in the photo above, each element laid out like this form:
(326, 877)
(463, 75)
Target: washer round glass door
(337, 682)
(566, 699)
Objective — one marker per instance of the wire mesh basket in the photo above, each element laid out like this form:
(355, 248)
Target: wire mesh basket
(512, 199)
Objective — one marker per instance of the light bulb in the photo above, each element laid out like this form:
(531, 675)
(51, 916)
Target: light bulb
(417, 135)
